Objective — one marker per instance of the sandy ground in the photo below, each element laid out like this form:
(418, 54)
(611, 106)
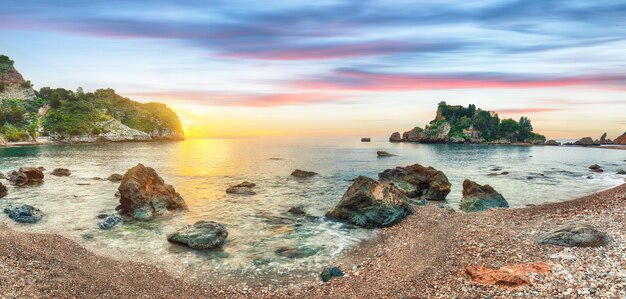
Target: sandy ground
(423, 257)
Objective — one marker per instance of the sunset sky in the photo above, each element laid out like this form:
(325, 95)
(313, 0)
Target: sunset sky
(316, 68)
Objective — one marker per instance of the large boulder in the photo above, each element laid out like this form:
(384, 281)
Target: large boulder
(3, 190)
(200, 235)
(17, 178)
(574, 234)
(418, 181)
(24, 213)
(620, 140)
(395, 137)
(370, 203)
(144, 194)
(480, 197)
(61, 172)
(244, 188)
(34, 174)
(586, 141)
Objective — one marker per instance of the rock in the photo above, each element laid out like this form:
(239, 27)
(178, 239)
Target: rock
(454, 139)
(395, 137)
(595, 166)
(384, 154)
(61, 172)
(24, 213)
(110, 221)
(144, 194)
(621, 140)
(296, 252)
(574, 234)
(3, 190)
(479, 198)
(116, 177)
(2, 176)
(597, 170)
(296, 211)
(412, 135)
(492, 174)
(504, 173)
(102, 215)
(366, 139)
(552, 142)
(586, 141)
(604, 140)
(96, 178)
(244, 188)
(34, 175)
(418, 181)
(507, 276)
(330, 272)
(370, 203)
(619, 171)
(200, 235)
(303, 173)
(17, 178)
(435, 133)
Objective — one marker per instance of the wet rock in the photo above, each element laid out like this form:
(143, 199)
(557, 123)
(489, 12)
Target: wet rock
(244, 188)
(504, 173)
(102, 215)
(330, 272)
(3, 190)
(2, 176)
(61, 172)
(144, 194)
(200, 235)
(552, 142)
(395, 137)
(621, 171)
(24, 213)
(492, 174)
(116, 177)
(296, 252)
(366, 139)
(595, 166)
(384, 154)
(418, 181)
(599, 170)
(34, 175)
(480, 197)
(303, 173)
(586, 141)
(296, 211)
(574, 234)
(496, 169)
(370, 203)
(17, 178)
(110, 221)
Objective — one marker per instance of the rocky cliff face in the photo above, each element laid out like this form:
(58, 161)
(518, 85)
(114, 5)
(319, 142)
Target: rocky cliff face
(12, 84)
(111, 131)
(431, 134)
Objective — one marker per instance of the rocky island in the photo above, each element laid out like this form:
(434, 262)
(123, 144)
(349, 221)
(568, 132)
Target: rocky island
(458, 124)
(66, 116)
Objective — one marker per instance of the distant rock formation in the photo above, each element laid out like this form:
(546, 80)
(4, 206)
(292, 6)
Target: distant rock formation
(366, 139)
(552, 143)
(303, 173)
(621, 140)
(585, 141)
(395, 137)
(12, 84)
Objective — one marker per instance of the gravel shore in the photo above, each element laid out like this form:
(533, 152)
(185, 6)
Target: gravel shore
(423, 257)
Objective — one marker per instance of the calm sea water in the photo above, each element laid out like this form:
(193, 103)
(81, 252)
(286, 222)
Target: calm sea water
(202, 169)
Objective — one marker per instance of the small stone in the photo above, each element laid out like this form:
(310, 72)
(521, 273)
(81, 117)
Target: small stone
(110, 221)
(330, 272)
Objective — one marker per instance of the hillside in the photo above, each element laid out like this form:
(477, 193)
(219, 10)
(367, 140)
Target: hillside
(458, 124)
(73, 117)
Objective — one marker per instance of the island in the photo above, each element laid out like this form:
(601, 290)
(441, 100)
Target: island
(458, 124)
(59, 115)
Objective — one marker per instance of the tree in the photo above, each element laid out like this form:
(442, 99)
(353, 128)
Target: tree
(509, 129)
(525, 128)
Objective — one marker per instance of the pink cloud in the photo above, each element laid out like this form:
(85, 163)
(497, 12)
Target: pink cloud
(527, 110)
(240, 100)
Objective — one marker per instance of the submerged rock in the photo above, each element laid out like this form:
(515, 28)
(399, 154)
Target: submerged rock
(61, 172)
(200, 235)
(116, 177)
(34, 175)
(595, 166)
(296, 252)
(370, 203)
(110, 221)
(244, 188)
(2, 176)
(24, 213)
(330, 272)
(3, 190)
(418, 181)
(621, 171)
(17, 178)
(395, 137)
(144, 194)
(303, 173)
(384, 154)
(574, 234)
(296, 211)
(480, 197)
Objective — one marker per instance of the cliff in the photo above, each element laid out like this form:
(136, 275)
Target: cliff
(458, 124)
(78, 117)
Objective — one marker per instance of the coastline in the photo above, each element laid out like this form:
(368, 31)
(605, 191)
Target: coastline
(424, 256)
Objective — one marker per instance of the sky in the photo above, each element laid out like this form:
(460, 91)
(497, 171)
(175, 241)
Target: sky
(333, 68)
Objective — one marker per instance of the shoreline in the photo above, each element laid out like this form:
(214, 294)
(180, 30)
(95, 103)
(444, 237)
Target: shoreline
(436, 243)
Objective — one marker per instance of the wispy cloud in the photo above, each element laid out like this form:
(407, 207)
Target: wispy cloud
(527, 110)
(238, 100)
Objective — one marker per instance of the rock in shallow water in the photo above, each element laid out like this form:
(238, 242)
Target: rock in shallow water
(200, 235)
(370, 203)
(110, 221)
(244, 188)
(330, 272)
(144, 194)
(116, 177)
(303, 173)
(574, 234)
(24, 213)
(34, 174)
(418, 181)
(61, 172)
(17, 178)
(296, 252)
(480, 197)
(3, 190)
(384, 154)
